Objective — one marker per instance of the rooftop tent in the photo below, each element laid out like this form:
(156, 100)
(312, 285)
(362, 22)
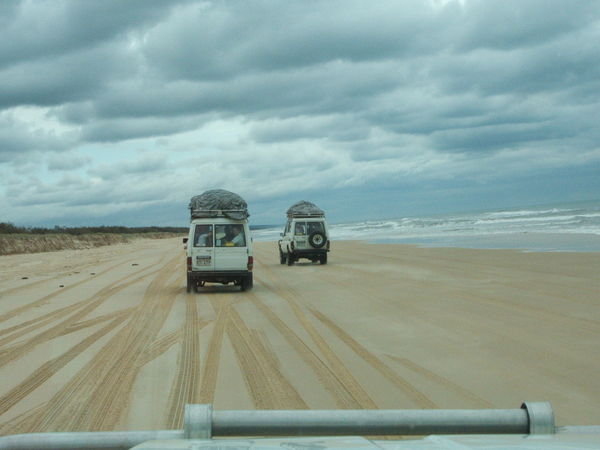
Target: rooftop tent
(305, 209)
(218, 202)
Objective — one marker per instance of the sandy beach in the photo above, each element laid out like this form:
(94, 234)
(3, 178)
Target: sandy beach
(108, 339)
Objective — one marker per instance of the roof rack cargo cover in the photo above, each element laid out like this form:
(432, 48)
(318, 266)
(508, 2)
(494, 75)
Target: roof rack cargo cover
(305, 209)
(218, 203)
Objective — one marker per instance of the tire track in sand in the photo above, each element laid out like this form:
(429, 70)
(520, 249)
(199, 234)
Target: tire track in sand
(81, 267)
(213, 354)
(503, 302)
(21, 309)
(342, 397)
(48, 369)
(267, 386)
(38, 322)
(97, 396)
(186, 382)
(49, 318)
(85, 307)
(21, 423)
(334, 363)
(448, 385)
(96, 320)
(408, 389)
(160, 346)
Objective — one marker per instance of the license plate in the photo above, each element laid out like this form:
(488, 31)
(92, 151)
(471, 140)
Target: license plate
(203, 260)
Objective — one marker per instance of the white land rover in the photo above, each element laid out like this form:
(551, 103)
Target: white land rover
(218, 247)
(305, 235)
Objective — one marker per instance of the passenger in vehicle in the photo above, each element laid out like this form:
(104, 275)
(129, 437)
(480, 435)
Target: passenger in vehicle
(204, 236)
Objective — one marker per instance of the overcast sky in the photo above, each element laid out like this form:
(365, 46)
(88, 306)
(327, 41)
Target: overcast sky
(117, 112)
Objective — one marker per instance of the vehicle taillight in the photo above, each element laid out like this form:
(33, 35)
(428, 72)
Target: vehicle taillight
(250, 262)
(189, 263)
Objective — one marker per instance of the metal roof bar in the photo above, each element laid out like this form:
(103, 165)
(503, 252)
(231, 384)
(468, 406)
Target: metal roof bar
(301, 215)
(217, 210)
(531, 418)
(106, 440)
(201, 422)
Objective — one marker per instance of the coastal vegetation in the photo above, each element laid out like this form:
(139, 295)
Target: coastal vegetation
(14, 239)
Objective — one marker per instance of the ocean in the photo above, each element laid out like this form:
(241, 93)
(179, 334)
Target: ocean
(561, 227)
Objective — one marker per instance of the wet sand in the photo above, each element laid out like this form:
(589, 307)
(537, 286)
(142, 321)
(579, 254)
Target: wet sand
(108, 339)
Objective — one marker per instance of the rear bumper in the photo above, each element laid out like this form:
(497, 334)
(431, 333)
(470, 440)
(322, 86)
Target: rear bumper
(309, 253)
(218, 276)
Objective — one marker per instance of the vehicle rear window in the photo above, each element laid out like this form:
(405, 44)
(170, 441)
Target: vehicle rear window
(315, 226)
(203, 236)
(230, 236)
(304, 228)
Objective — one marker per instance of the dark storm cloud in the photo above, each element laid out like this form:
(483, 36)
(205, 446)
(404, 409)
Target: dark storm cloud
(73, 191)
(321, 89)
(268, 59)
(516, 24)
(555, 66)
(337, 128)
(47, 28)
(62, 79)
(379, 92)
(16, 138)
(492, 137)
(131, 128)
(219, 40)
(147, 166)
(67, 161)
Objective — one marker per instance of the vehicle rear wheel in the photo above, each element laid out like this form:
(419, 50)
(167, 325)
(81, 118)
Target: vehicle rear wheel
(323, 259)
(247, 283)
(188, 288)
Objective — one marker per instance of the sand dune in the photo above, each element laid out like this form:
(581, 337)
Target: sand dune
(108, 339)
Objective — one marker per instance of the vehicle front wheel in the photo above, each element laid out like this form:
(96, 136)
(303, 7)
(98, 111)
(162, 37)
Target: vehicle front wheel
(282, 257)
(290, 259)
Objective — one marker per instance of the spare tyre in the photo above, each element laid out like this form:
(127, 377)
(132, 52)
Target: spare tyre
(316, 239)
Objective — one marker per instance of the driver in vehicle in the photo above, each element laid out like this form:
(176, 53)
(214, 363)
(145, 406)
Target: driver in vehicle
(238, 237)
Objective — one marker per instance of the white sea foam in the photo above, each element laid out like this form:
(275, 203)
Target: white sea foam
(568, 221)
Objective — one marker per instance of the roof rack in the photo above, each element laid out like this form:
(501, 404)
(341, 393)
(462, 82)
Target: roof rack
(305, 215)
(207, 213)
(202, 422)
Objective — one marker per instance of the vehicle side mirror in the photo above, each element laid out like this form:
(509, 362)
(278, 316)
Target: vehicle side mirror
(185, 240)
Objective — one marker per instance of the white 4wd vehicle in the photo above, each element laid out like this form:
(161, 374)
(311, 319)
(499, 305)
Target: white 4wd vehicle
(304, 237)
(219, 250)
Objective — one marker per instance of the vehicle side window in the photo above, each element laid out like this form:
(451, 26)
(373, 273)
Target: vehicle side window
(203, 236)
(300, 229)
(230, 236)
